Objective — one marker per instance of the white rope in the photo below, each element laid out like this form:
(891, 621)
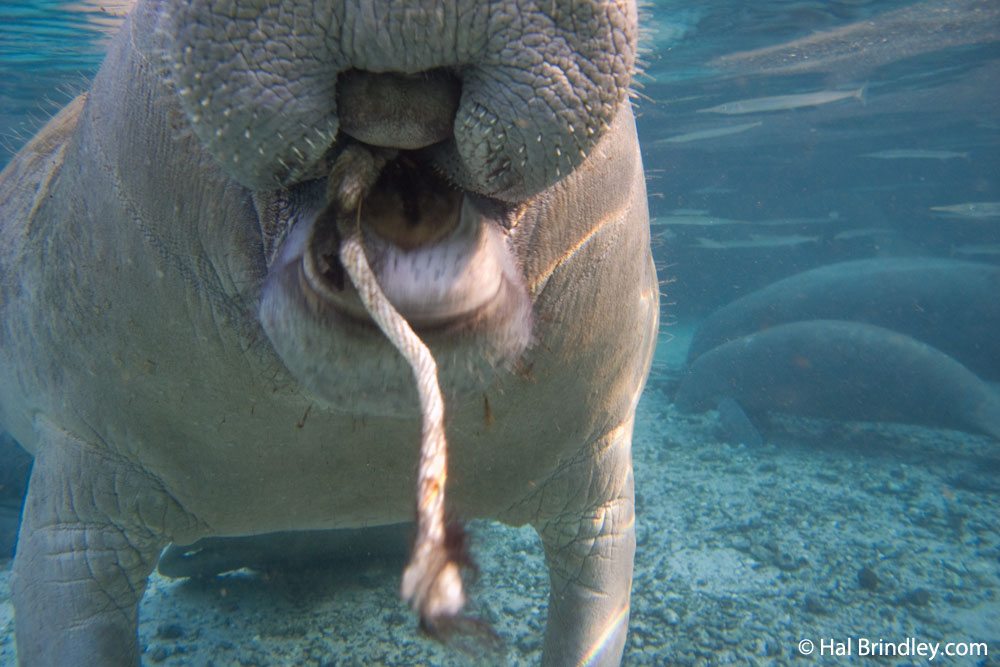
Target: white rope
(432, 582)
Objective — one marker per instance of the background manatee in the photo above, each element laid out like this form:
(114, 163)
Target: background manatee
(841, 370)
(183, 357)
(951, 305)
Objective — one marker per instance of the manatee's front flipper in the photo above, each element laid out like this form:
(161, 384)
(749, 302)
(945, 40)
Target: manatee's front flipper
(589, 547)
(89, 538)
(287, 550)
(735, 425)
(15, 466)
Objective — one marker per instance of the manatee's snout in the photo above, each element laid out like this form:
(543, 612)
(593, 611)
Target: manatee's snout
(539, 83)
(395, 110)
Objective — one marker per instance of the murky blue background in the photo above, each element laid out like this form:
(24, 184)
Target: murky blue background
(933, 83)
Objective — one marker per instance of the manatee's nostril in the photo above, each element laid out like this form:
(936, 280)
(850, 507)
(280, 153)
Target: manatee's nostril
(407, 111)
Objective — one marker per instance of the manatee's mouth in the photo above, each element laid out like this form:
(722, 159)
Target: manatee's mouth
(433, 250)
(442, 256)
(407, 207)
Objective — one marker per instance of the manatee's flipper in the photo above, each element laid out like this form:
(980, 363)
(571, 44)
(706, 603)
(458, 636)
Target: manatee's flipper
(10, 520)
(88, 541)
(735, 426)
(210, 556)
(589, 547)
(15, 466)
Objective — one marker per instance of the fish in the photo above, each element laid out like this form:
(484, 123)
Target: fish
(698, 220)
(857, 49)
(755, 242)
(832, 216)
(862, 232)
(985, 249)
(690, 211)
(890, 187)
(710, 133)
(786, 102)
(694, 217)
(714, 190)
(915, 154)
(974, 210)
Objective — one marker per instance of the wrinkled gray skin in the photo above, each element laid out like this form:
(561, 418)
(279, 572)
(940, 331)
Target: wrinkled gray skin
(178, 372)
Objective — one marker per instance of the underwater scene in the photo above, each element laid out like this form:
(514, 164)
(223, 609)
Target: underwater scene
(815, 449)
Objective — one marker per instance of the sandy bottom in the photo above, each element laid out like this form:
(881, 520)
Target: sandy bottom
(832, 532)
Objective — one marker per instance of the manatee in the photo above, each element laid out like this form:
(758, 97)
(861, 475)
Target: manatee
(735, 426)
(15, 467)
(285, 550)
(184, 358)
(841, 370)
(951, 305)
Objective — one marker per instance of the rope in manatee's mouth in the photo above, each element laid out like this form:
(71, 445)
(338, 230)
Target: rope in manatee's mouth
(432, 582)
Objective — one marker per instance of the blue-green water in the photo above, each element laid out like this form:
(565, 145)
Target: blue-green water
(909, 166)
(49, 51)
